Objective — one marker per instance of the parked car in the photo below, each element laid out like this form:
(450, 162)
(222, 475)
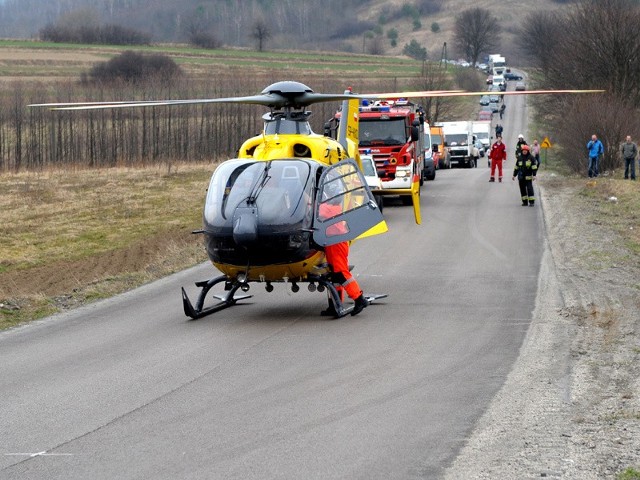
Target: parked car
(484, 100)
(520, 86)
(429, 167)
(512, 76)
(372, 178)
(484, 115)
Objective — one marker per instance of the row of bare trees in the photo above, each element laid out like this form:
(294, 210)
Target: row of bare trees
(34, 138)
(592, 44)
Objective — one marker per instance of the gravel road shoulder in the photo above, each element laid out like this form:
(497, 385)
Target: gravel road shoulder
(570, 408)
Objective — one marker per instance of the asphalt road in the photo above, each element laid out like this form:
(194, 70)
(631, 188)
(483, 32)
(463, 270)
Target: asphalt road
(128, 388)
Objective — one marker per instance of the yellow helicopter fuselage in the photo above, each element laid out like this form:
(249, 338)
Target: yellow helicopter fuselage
(323, 150)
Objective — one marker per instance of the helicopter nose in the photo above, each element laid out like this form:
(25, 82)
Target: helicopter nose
(245, 225)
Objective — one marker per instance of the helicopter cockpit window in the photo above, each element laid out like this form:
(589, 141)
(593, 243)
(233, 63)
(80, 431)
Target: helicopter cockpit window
(342, 191)
(289, 125)
(280, 190)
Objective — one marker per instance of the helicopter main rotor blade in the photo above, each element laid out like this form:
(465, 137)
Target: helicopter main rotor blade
(267, 100)
(462, 93)
(288, 94)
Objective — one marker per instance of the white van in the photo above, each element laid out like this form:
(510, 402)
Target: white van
(429, 169)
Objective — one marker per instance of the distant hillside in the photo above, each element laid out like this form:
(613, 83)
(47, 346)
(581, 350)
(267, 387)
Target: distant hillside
(344, 25)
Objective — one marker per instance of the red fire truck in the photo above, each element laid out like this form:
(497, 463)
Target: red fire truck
(392, 131)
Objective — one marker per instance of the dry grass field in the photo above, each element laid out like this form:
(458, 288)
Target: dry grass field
(73, 237)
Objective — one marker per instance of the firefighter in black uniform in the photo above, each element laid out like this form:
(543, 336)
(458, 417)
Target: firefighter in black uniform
(526, 169)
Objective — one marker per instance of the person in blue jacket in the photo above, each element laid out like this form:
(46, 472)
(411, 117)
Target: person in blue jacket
(595, 149)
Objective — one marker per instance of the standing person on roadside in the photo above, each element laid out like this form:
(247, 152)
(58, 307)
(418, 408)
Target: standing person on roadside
(498, 154)
(526, 169)
(535, 151)
(498, 130)
(475, 152)
(595, 149)
(629, 151)
(521, 142)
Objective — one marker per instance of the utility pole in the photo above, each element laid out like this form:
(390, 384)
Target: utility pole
(443, 57)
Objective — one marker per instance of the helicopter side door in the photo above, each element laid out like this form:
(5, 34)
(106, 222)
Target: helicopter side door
(345, 207)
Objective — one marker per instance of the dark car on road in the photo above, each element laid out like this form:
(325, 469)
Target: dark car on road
(512, 76)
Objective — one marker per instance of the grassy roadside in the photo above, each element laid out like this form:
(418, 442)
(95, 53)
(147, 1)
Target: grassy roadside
(612, 202)
(71, 237)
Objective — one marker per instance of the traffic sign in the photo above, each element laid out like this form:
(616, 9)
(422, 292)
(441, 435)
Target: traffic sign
(545, 143)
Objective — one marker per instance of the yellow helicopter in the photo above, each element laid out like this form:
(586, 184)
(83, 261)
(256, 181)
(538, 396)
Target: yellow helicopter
(263, 220)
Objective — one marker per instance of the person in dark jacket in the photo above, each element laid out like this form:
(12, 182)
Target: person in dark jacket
(629, 151)
(525, 170)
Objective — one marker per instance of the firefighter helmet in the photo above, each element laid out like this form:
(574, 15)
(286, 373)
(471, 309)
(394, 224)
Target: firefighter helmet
(525, 148)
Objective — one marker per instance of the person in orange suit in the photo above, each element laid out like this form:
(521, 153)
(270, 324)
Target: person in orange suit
(338, 259)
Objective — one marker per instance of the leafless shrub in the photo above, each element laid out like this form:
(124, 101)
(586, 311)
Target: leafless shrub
(136, 67)
(205, 40)
(107, 34)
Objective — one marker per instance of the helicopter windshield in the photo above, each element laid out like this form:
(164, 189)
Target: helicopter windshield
(280, 189)
(282, 126)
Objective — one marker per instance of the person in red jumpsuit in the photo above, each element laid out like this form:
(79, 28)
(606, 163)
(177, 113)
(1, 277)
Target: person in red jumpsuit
(498, 154)
(338, 259)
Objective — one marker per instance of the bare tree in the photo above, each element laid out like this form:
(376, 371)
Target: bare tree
(435, 77)
(376, 46)
(476, 31)
(596, 44)
(260, 32)
(540, 36)
(601, 40)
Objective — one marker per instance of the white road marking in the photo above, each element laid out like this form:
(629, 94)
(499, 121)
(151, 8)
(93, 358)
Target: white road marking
(38, 454)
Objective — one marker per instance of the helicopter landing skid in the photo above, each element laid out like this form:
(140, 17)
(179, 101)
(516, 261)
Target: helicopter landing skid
(227, 300)
(341, 309)
(231, 287)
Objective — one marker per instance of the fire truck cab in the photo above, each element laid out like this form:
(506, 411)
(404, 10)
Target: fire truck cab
(393, 132)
